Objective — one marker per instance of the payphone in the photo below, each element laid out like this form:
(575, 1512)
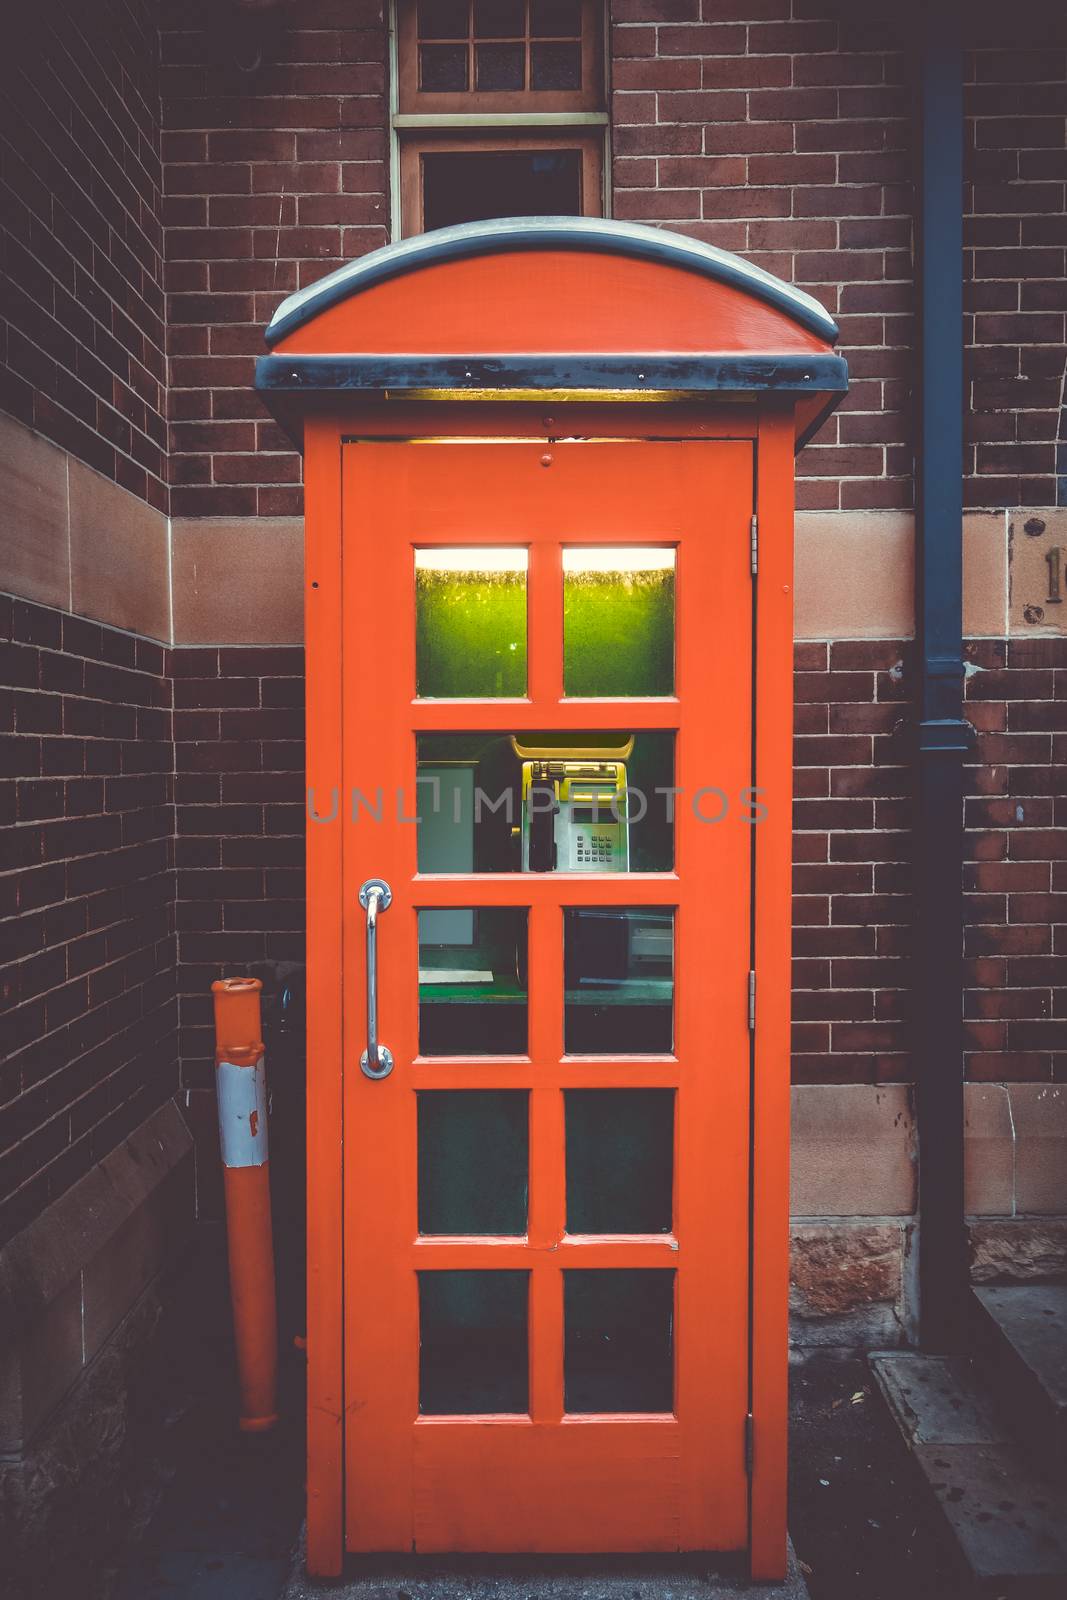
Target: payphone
(574, 808)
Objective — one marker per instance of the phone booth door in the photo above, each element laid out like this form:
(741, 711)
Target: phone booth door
(546, 1198)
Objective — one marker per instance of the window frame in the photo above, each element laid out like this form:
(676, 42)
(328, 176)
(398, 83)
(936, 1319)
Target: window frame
(485, 122)
(411, 100)
(413, 146)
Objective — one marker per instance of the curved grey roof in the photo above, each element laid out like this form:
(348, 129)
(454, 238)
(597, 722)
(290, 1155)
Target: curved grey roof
(549, 233)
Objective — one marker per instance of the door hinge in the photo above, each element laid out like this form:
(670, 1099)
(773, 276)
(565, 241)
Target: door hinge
(752, 1002)
(754, 543)
(749, 1444)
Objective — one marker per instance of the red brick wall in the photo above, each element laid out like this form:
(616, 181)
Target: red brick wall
(781, 131)
(272, 180)
(786, 137)
(86, 915)
(81, 292)
(1016, 811)
(1016, 263)
(789, 141)
(851, 849)
(239, 785)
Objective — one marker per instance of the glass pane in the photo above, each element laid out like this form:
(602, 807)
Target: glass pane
(555, 66)
(444, 68)
(484, 805)
(618, 965)
(618, 621)
(620, 1160)
(473, 1161)
(470, 623)
(472, 981)
(618, 1341)
(555, 19)
(473, 1344)
(469, 187)
(443, 19)
(499, 19)
(500, 66)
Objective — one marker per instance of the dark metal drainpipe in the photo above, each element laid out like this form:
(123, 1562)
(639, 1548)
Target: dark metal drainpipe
(943, 736)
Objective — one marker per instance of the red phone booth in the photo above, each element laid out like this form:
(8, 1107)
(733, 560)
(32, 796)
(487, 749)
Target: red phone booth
(549, 469)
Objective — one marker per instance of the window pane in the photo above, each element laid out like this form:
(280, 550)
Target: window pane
(472, 981)
(470, 623)
(443, 19)
(473, 1161)
(444, 68)
(499, 19)
(618, 621)
(618, 1340)
(555, 66)
(500, 66)
(620, 1160)
(619, 973)
(475, 789)
(470, 186)
(555, 19)
(473, 1343)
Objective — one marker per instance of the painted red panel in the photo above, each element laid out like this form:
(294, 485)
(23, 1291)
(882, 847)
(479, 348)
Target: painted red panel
(559, 301)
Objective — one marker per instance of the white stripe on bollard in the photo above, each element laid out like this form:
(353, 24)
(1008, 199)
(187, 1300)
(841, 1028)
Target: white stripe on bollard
(242, 1113)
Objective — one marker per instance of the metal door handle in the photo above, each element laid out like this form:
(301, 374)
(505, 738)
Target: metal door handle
(377, 1059)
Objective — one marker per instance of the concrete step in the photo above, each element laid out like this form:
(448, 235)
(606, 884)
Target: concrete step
(540, 1578)
(1007, 1521)
(1021, 1344)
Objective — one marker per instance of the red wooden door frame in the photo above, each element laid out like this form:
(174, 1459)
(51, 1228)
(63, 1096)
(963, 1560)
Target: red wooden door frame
(770, 1108)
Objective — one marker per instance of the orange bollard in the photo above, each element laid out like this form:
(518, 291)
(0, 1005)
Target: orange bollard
(241, 1082)
(237, 1014)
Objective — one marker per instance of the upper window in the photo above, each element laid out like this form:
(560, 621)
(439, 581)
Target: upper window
(500, 110)
(500, 55)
